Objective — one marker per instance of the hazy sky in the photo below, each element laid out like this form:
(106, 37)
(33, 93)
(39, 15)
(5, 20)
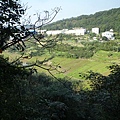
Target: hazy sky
(71, 8)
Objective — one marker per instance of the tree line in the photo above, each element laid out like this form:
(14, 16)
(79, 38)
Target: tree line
(86, 50)
(105, 20)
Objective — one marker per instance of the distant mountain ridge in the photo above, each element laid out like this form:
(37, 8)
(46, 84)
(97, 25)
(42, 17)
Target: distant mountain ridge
(105, 20)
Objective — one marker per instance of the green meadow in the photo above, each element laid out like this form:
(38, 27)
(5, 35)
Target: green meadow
(72, 57)
(98, 63)
(70, 67)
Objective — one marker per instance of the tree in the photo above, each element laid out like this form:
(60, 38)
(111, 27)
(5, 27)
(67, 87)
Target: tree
(92, 35)
(11, 12)
(15, 84)
(104, 96)
(104, 38)
(15, 32)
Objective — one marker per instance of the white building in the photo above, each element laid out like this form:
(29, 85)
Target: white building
(80, 31)
(77, 31)
(54, 32)
(96, 30)
(108, 34)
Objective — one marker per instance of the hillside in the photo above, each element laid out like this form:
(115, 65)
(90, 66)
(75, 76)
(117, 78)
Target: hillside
(105, 20)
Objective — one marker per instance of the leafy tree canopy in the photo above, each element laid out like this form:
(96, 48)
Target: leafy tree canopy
(10, 13)
(105, 20)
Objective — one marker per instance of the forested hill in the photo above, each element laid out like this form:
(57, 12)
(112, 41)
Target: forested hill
(105, 20)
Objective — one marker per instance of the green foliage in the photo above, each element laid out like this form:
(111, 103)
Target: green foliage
(66, 50)
(12, 79)
(105, 20)
(92, 35)
(11, 12)
(104, 38)
(38, 96)
(105, 94)
(89, 49)
(106, 46)
(27, 96)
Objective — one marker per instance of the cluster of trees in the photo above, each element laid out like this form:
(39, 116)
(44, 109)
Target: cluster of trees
(105, 20)
(64, 49)
(89, 49)
(106, 46)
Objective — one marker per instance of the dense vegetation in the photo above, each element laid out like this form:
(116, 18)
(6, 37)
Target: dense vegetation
(37, 96)
(105, 20)
(87, 51)
(72, 47)
(26, 94)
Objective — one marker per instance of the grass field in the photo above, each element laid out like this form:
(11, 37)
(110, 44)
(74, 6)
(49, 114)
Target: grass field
(72, 67)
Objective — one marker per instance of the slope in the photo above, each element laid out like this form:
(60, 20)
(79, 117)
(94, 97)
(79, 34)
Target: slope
(105, 20)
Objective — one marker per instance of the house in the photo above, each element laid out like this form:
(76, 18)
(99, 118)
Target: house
(76, 31)
(108, 34)
(96, 30)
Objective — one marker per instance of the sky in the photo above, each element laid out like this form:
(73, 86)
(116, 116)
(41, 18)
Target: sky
(70, 8)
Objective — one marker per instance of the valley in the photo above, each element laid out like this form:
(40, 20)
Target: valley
(72, 57)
